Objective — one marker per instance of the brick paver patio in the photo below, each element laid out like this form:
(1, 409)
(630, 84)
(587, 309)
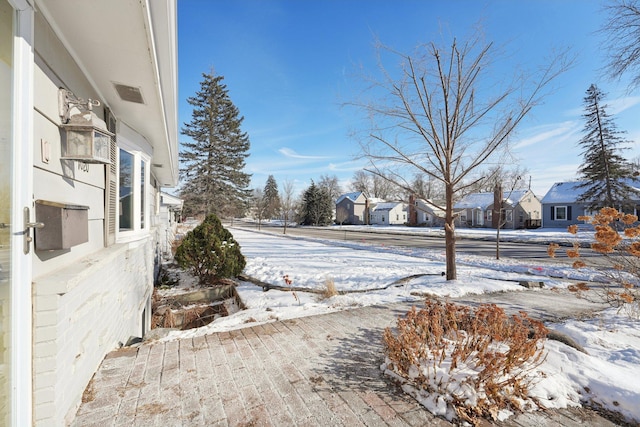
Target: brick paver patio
(313, 371)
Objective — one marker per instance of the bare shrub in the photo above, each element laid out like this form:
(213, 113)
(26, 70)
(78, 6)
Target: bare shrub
(617, 240)
(473, 362)
(329, 289)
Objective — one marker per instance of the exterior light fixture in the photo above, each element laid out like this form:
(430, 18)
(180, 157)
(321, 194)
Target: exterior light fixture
(86, 136)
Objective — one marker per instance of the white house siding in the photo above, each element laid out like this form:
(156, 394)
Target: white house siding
(80, 316)
(87, 300)
(389, 214)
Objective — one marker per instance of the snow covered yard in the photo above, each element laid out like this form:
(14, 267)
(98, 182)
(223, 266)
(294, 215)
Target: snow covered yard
(606, 375)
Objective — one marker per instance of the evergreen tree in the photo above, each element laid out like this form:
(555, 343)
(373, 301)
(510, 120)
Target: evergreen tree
(316, 206)
(213, 161)
(272, 198)
(604, 171)
(210, 251)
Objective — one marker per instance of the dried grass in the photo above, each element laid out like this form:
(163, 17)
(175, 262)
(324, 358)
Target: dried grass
(329, 289)
(435, 348)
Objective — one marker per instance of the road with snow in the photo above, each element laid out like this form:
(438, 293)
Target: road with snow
(480, 247)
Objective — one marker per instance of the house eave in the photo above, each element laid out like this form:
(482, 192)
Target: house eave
(130, 43)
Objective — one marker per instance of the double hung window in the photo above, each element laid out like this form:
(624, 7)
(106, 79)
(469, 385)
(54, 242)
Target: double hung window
(133, 177)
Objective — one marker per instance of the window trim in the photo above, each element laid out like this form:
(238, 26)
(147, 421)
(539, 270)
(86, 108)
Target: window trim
(555, 213)
(139, 158)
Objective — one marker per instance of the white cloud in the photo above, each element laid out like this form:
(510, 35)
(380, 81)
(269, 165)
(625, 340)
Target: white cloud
(288, 152)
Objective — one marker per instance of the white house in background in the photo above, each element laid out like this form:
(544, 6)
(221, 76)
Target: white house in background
(170, 213)
(389, 213)
(80, 205)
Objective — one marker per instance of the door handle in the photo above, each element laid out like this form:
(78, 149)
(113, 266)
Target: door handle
(28, 225)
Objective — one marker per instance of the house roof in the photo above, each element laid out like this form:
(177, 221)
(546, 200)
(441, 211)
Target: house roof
(387, 206)
(569, 192)
(351, 196)
(170, 199)
(484, 200)
(563, 192)
(424, 205)
(130, 43)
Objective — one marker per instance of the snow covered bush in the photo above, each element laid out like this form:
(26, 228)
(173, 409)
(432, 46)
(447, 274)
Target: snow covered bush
(210, 251)
(465, 364)
(617, 239)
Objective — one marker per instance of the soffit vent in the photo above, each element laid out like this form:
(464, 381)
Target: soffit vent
(129, 93)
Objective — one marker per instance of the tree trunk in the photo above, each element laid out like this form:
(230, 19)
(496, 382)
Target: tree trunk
(449, 235)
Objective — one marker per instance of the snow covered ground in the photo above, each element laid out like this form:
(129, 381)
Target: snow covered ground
(607, 375)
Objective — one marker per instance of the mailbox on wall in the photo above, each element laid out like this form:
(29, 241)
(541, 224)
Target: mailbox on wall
(65, 225)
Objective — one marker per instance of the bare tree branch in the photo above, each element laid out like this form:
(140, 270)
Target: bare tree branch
(444, 115)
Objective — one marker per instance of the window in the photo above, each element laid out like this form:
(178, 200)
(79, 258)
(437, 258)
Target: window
(509, 216)
(132, 183)
(559, 213)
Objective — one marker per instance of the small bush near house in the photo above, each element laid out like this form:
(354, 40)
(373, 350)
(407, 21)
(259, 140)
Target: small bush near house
(465, 364)
(617, 240)
(210, 252)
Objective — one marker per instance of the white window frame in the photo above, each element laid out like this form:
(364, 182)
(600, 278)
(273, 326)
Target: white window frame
(555, 213)
(139, 157)
(508, 215)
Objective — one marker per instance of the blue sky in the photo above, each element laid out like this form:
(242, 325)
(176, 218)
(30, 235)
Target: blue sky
(290, 64)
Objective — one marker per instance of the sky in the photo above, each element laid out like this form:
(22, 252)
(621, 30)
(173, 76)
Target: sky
(611, 338)
(290, 66)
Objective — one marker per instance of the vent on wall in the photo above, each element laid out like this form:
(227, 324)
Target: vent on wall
(129, 93)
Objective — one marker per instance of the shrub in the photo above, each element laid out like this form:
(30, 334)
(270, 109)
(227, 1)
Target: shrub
(210, 251)
(617, 240)
(463, 363)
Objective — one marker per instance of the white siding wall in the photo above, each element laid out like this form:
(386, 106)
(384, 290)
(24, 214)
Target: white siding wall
(86, 299)
(80, 317)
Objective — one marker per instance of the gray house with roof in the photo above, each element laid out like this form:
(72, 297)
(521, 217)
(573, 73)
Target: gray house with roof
(561, 208)
(352, 208)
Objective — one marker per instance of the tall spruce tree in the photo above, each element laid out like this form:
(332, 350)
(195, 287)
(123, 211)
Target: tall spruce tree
(316, 206)
(272, 198)
(604, 171)
(213, 161)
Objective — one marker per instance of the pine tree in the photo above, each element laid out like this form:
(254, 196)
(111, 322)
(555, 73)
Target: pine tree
(272, 198)
(213, 161)
(316, 206)
(604, 171)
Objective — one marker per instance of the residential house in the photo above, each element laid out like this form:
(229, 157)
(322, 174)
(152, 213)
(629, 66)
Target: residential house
(389, 213)
(352, 208)
(561, 208)
(169, 217)
(88, 137)
(422, 212)
(520, 209)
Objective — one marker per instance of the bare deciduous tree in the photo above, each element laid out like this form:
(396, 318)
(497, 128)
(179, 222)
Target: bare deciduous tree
(622, 43)
(445, 114)
(374, 185)
(287, 203)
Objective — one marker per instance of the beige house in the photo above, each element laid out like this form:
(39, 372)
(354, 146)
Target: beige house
(88, 138)
(422, 213)
(520, 209)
